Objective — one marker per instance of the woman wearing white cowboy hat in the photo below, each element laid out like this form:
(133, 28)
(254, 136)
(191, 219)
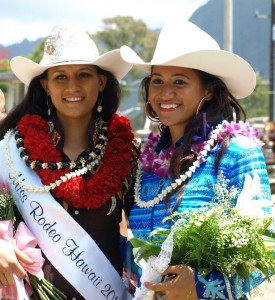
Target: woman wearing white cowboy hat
(193, 87)
(67, 158)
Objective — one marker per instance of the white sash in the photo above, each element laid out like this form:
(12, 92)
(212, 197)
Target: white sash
(67, 246)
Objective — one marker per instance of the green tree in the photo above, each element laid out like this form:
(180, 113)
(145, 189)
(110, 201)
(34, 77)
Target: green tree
(38, 51)
(125, 30)
(257, 104)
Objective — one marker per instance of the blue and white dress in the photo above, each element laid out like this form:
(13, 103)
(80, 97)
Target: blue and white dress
(242, 156)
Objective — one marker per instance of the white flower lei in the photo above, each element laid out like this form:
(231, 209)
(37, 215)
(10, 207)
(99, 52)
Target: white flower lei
(232, 128)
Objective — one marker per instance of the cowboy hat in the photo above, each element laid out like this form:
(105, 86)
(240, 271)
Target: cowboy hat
(67, 45)
(183, 44)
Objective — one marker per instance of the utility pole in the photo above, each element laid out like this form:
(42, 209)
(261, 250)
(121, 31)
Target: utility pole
(271, 17)
(271, 65)
(228, 25)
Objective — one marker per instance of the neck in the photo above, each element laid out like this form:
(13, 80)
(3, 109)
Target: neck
(75, 137)
(176, 133)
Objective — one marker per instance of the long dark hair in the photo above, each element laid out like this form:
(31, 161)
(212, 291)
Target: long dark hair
(35, 101)
(222, 105)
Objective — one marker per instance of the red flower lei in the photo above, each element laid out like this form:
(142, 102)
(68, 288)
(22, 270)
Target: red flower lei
(103, 184)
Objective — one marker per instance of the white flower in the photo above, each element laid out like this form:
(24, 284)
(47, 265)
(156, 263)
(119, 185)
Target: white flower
(245, 203)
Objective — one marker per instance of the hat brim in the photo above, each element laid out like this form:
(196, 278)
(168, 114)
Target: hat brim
(25, 69)
(234, 71)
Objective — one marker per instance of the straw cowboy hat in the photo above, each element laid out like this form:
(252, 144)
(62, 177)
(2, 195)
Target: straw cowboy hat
(184, 44)
(68, 45)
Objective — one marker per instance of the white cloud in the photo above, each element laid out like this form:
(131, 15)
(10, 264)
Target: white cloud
(32, 19)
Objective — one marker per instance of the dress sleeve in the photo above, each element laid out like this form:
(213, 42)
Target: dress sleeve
(246, 158)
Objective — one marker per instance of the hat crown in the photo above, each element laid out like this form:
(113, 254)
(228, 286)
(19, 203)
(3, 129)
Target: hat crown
(68, 43)
(178, 38)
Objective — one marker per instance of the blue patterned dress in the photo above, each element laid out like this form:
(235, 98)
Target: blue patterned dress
(242, 156)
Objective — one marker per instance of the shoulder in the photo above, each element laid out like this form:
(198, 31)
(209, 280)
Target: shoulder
(245, 152)
(244, 146)
(244, 142)
(239, 146)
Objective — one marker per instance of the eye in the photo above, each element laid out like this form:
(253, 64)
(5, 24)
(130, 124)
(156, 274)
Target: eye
(84, 75)
(179, 82)
(60, 77)
(156, 80)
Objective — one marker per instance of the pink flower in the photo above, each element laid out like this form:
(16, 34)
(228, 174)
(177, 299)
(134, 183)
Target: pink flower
(156, 162)
(4, 188)
(241, 128)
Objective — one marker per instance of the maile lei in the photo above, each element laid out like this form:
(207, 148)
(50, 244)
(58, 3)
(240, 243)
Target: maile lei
(102, 184)
(207, 138)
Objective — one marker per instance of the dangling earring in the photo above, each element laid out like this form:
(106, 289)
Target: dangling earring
(50, 105)
(147, 104)
(200, 104)
(55, 138)
(50, 126)
(99, 105)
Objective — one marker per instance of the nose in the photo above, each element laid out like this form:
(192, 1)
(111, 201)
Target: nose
(73, 85)
(167, 92)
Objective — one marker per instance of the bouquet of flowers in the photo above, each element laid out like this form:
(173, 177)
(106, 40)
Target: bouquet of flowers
(232, 239)
(21, 237)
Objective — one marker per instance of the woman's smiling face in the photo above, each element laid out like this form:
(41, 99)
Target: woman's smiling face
(74, 89)
(175, 93)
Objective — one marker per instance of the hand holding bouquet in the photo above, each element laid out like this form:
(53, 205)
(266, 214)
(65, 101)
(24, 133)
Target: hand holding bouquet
(19, 236)
(233, 240)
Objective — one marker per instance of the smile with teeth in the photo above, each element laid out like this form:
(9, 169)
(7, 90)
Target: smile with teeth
(73, 99)
(169, 106)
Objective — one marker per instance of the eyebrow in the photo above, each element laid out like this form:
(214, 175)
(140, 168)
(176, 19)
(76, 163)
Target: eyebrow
(81, 69)
(173, 75)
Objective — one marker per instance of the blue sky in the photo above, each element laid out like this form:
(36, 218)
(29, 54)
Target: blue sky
(32, 19)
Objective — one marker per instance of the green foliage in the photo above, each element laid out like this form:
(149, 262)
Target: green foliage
(38, 51)
(257, 104)
(3, 87)
(7, 203)
(125, 30)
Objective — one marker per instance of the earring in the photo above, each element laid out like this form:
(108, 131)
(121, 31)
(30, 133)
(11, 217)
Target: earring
(49, 105)
(147, 104)
(55, 138)
(99, 105)
(200, 104)
(50, 126)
